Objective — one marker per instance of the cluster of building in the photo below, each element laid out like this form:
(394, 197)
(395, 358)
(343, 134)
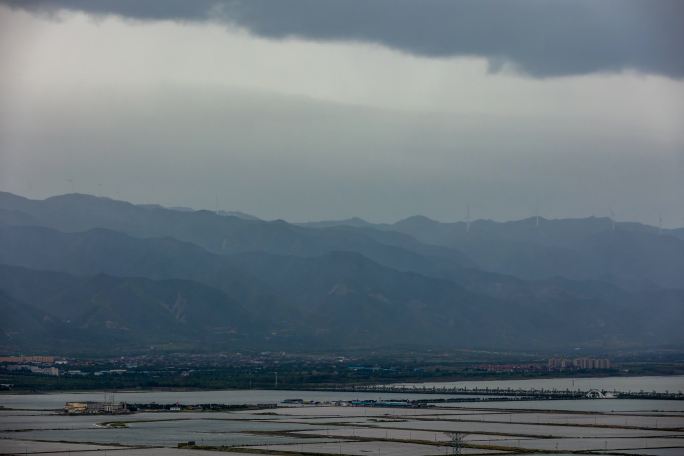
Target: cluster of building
(508, 368)
(401, 403)
(111, 407)
(28, 359)
(53, 366)
(36, 364)
(52, 371)
(96, 408)
(578, 363)
(405, 403)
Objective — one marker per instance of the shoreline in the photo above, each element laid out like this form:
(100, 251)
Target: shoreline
(314, 388)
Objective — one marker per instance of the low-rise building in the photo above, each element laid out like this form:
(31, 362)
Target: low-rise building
(28, 359)
(53, 371)
(95, 408)
(578, 363)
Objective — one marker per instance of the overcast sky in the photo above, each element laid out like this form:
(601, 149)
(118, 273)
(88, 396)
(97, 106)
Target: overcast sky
(308, 109)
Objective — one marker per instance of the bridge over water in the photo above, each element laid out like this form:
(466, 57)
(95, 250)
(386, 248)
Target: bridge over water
(484, 394)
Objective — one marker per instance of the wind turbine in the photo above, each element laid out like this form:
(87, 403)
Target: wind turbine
(612, 218)
(536, 214)
(467, 218)
(660, 224)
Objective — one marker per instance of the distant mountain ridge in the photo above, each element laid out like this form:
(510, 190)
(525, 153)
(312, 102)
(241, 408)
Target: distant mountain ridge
(215, 233)
(52, 310)
(625, 253)
(525, 285)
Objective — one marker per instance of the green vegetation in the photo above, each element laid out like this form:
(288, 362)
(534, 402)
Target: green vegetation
(301, 373)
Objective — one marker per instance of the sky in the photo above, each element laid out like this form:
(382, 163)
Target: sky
(327, 109)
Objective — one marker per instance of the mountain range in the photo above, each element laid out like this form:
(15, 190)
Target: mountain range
(78, 268)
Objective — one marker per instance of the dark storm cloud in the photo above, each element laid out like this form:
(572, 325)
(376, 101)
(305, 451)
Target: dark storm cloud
(543, 38)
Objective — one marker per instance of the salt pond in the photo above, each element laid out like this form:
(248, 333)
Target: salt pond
(639, 427)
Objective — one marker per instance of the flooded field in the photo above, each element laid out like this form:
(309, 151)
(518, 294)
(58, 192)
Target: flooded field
(608, 427)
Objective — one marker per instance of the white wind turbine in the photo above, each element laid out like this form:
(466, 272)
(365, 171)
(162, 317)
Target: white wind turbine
(467, 218)
(660, 224)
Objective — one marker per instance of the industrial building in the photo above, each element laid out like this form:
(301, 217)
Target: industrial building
(95, 408)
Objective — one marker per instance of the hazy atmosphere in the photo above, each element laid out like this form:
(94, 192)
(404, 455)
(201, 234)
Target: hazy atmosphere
(307, 110)
(342, 227)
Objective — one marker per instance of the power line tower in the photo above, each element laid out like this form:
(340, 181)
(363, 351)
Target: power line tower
(456, 442)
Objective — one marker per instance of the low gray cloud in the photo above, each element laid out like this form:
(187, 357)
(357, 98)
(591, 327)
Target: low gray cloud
(541, 38)
(299, 159)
